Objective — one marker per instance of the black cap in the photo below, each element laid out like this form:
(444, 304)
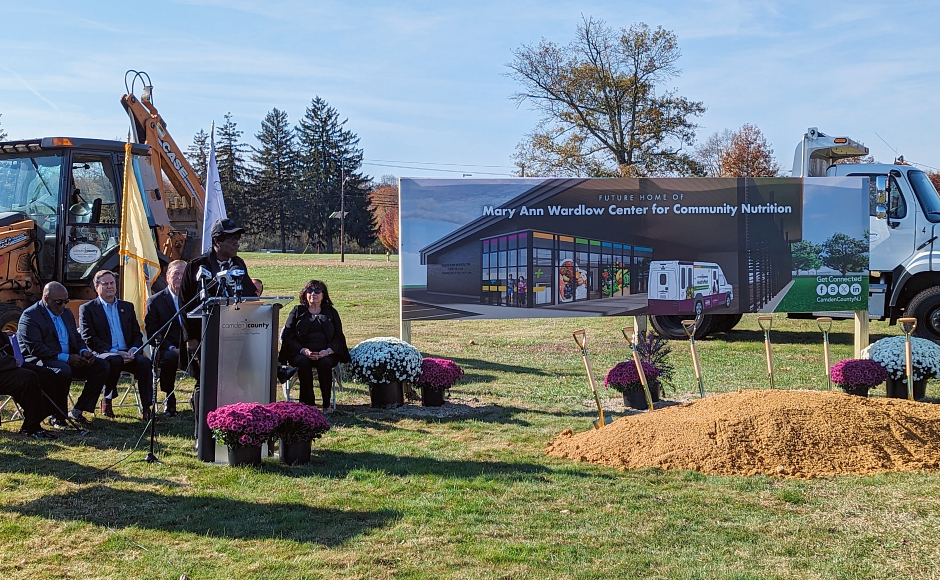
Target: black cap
(224, 226)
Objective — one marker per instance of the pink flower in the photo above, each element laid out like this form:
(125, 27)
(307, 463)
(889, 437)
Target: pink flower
(297, 421)
(242, 424)
(439, 373)
(624, 378)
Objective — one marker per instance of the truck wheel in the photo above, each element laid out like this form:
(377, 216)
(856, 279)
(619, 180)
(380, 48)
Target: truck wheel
(671, 326)
(9, 318)
(724, 322)
(925, 307)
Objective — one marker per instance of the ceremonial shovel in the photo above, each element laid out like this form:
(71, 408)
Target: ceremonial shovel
(689, 327)
(627, 332)
(908, 325)
(770, 361)
(819, 322)
(581, 339)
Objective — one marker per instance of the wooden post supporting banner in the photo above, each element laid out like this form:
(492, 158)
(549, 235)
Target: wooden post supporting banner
(640, 324)
(406, 331)
(861, 332)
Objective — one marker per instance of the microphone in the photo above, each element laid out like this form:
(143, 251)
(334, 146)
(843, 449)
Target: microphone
(203, 273)
(232, 278)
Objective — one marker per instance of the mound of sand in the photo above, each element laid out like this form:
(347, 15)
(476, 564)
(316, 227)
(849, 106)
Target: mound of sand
(783, 433)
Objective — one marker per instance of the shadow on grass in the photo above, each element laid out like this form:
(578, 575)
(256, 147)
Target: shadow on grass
(340, 464)
(789, 337)
(474, 369)
(33, 461)
(453, 411)
(217, 517)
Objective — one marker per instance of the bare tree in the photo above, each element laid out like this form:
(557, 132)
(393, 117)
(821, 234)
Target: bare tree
(602, 112)
(708, 154)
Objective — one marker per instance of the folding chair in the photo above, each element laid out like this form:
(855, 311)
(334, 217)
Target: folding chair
(288, 378)
(129, 389)
(17, 413)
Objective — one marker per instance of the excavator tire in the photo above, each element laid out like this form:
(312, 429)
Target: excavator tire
(925, 307)
(670, 326)
(9, 318)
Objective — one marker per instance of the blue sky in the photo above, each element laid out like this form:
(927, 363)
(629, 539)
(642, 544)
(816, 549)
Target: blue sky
(424, 82)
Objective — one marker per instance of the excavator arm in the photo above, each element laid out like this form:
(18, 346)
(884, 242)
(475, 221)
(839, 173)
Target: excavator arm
(178, 213)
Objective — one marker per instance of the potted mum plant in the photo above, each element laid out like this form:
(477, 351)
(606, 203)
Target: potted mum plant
(437, 375)
(298, 424)
(857, 376)
(889, 353)
(384, 363)
(243, 428)
(624, 378)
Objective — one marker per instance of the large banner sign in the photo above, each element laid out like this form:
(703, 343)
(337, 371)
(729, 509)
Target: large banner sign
(516, 248)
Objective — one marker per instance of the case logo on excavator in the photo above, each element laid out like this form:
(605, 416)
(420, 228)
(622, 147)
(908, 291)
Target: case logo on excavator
(12, 240)
(176, 162)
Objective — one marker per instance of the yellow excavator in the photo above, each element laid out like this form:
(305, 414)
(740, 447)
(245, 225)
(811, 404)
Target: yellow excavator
(60, 205)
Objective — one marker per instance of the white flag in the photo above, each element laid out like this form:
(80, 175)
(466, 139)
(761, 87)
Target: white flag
(215, 203)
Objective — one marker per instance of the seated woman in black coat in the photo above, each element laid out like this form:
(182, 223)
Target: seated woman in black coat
(313, 339)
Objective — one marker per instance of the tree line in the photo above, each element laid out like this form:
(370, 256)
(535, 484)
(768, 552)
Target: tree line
(287, 191)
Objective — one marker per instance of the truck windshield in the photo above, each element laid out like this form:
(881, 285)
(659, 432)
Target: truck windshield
(31, 185)
(926, 194)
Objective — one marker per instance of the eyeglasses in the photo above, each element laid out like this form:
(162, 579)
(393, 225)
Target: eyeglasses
(59, 302)
(315, 291)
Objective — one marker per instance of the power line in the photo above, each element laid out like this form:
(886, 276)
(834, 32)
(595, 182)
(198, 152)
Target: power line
(432, 169)
(442, 164)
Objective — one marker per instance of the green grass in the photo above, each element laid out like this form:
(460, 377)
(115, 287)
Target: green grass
(388, 496)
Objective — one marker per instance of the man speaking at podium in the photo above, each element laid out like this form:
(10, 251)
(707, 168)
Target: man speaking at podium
(204, 270)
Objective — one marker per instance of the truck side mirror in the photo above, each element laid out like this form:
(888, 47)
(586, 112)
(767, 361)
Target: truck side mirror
(881, 183)
(881, 212)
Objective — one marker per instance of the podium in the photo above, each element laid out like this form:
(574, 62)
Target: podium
(238, 361)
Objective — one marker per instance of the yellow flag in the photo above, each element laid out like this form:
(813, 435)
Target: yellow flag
(139, 261)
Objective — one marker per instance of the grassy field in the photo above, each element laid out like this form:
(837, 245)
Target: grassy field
(404, 495)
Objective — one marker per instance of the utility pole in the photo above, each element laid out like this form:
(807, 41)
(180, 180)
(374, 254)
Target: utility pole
(342, 215)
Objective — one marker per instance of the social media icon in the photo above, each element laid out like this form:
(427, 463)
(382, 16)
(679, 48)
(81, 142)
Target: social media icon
(821, 289)
(833, 289)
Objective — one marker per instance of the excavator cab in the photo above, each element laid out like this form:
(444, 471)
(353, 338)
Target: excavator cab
(60, 216)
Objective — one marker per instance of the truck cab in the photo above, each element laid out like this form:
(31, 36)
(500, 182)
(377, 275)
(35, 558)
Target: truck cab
(904, 209)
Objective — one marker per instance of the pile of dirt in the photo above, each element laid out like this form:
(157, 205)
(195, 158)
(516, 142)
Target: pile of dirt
(782, 433)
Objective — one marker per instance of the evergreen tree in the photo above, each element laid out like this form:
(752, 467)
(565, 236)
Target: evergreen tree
(233, 171)
(274, 181)
(198, 155)
(328, 153)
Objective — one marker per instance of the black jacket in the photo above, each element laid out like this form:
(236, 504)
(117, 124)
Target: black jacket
(190, 286)
(37, 335)
(96, 331)
(297, 325)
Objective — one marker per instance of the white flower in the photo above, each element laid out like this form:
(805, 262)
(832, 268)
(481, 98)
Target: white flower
(384, 359)
(889, 353)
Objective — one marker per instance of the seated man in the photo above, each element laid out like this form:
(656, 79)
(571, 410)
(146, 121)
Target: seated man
(23, 385)
(53, 395)
(162, 307)
(110, 329)
(47, 335)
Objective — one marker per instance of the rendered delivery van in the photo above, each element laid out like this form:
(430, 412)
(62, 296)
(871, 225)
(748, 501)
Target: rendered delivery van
(687, 287)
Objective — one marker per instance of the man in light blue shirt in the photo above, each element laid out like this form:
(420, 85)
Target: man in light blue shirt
(110, 328)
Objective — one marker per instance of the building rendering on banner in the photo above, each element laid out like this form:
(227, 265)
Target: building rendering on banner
(585, 247)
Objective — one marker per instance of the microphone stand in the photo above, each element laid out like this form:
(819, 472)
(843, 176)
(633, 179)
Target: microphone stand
(156, 341)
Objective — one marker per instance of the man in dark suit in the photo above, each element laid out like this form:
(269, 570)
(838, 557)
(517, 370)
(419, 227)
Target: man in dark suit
(162, 307)
(48, 337)
(111, 330)
(23, 386)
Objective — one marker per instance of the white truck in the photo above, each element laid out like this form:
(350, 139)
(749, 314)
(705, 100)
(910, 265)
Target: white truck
(904, 256)
(677, 287)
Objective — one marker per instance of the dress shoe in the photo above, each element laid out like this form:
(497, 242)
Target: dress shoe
(39, 434)
(106, 408)
(169, 406)
(77, 416)
(145, 415)
(58, 424)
